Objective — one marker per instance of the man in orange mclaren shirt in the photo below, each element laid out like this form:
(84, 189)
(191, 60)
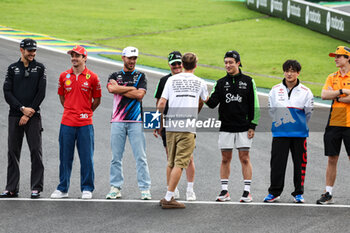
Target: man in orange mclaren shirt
(336, 88)
(79, 90)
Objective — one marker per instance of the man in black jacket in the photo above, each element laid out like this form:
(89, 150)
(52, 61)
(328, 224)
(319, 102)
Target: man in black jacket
(24, 90)
(239, 114)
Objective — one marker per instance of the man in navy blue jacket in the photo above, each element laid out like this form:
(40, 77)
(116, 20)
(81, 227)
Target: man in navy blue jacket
(24, 90)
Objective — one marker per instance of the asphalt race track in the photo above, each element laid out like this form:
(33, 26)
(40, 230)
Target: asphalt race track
(345, 7)
(133, 215)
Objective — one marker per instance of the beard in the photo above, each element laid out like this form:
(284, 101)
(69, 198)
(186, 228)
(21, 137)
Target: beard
(29, 58)
(130, 66)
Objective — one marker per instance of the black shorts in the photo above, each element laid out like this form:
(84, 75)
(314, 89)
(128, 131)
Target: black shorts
(332, 139)
(163, 134)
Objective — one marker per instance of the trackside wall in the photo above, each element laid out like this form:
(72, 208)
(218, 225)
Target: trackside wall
(315, 17)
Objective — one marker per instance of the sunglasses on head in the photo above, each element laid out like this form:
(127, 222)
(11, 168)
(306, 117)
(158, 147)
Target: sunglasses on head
(177, 63)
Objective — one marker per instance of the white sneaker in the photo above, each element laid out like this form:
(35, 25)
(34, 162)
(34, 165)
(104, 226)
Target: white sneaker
(146, 195)
(58, 194)
(190, 196)
(176, 194)
(86, 195)
(114, 193)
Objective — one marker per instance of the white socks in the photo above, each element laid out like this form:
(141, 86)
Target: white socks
(329, 189)
(224, 184)
(190, 187)
(169, 195)
(247, 185)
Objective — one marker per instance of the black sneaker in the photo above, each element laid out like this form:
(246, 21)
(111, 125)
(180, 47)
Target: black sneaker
(35, 194)
(8, 194)
(246, 197)
(223, 196)
(325, 199)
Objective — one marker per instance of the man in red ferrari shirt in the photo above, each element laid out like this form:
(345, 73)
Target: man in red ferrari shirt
(79, 90)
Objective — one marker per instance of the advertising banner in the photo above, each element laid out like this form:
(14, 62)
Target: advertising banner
(329, 21)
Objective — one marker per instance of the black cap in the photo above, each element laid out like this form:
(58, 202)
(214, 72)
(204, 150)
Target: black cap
(174, 57)
(28, 44)
(235, 55)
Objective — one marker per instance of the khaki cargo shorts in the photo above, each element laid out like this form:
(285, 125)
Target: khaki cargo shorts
(180, 148)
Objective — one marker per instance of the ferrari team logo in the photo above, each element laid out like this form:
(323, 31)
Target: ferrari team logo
(68, 82)
(88, 76)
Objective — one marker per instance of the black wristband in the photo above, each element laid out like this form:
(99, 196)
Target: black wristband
(340, 91)
(337, 98)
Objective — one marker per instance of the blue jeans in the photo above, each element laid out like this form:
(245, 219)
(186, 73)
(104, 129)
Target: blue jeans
(84, 138)
(119, 131)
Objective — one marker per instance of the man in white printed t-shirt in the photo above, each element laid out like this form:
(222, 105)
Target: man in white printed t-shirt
(185, 94)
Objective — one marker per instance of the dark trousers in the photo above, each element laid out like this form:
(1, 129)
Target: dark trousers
(33, 130)
(279, 157)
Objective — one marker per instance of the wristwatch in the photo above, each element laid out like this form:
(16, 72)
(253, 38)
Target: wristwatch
(340, 91)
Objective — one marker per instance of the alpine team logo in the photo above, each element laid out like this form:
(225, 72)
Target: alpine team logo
(151, 120)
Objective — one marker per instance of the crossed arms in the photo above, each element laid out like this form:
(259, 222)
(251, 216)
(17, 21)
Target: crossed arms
(331, 94)
(127, 91)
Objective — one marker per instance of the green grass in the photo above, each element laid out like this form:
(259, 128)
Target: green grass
(208, 28)
(90, 20)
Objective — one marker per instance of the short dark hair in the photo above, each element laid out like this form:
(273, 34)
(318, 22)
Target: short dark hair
(189, 61)
(346, 56)
(291, 64)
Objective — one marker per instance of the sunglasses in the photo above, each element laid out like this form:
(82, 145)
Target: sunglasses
(177, 63)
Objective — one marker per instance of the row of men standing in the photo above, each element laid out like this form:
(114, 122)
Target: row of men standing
(80, 93)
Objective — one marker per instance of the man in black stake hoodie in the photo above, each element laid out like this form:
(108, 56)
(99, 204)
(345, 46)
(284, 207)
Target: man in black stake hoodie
(239, 114)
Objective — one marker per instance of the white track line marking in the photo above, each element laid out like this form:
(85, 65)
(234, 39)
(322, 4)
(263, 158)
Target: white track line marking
(186, 202)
